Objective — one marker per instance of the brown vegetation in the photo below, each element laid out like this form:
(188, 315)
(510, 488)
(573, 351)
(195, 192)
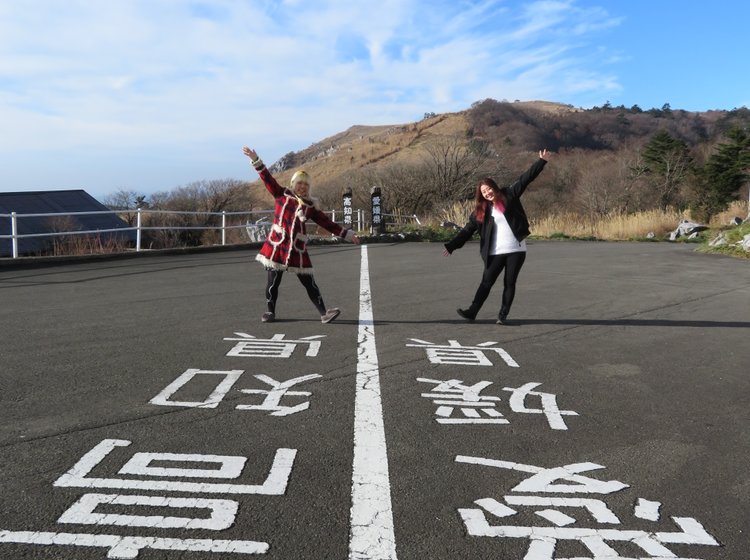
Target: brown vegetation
(81, 244)
(601, 167)
(636, 170)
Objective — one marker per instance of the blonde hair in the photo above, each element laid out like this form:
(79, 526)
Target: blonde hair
(300, 176)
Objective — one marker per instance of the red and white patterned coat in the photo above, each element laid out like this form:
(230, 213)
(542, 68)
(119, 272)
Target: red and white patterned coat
(286, 245)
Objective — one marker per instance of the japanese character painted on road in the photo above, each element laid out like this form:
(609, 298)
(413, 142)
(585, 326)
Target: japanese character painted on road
(249, 346)
(455, 354)
(278, 390)
(597, 535)
(549, 405)
(226, 380)
(452, 395)
(139, 473)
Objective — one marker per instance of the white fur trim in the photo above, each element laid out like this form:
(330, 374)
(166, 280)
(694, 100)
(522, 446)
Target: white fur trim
(291, 229)
(308, 202)
(268, 263)
(279, 230)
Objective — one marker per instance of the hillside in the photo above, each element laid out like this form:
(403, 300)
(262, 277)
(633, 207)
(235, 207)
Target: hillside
(503, 136)
(362, 146)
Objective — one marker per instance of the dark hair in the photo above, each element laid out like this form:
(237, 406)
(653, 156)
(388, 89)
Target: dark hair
(482, 202)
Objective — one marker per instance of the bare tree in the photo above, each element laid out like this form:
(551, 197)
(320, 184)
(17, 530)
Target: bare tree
(207, 198)
(122, 200)
(599, 190)
(453, 166)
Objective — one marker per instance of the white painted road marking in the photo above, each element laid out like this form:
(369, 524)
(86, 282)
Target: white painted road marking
(140, 464)
(543, 540)
(646, 509)
(455, 354)
(249, 346)
(125, 547)
(223, 512)
(217, 395)
(372, 535)
(77, 476)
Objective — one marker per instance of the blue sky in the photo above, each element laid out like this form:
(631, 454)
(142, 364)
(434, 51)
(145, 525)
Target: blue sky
(147, 95)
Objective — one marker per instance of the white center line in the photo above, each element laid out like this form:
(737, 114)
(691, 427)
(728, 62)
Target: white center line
(372, 536)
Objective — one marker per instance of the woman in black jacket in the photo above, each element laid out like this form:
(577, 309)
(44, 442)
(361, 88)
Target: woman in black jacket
(503, 228)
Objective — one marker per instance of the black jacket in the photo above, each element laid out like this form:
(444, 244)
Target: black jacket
(514, 213)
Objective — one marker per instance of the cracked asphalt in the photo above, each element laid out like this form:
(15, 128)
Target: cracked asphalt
(646, 342)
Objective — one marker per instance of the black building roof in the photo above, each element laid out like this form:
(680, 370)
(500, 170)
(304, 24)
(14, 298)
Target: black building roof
(54, 202)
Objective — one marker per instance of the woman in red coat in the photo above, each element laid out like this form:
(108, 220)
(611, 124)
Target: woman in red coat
(286, 245)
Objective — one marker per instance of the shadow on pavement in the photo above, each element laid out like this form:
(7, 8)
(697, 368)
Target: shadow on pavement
(582, 322)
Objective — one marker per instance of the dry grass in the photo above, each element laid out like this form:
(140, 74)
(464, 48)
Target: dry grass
(738, 209)
(612, 227)
(458, 213)
(618, 227)
(88, 245)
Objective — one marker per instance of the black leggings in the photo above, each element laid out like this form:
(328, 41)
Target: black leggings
(512, 263)
(313, 292)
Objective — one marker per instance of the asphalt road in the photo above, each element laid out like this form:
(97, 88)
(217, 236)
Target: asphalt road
(147, 412)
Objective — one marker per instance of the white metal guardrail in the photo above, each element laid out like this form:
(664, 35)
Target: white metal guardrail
(401, 219)
(139, 227)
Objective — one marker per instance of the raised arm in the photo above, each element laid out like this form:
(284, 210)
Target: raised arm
(517, 188)
(271, 184)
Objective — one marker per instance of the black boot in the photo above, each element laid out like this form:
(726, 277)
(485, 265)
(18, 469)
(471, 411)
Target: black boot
(467, 314)
(502, 317)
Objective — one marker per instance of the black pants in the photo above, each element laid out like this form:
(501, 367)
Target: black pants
(512, 263)
(313, 292)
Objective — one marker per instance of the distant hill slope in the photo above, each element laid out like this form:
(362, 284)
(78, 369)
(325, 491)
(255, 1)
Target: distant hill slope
(517, 127)
(361, 146)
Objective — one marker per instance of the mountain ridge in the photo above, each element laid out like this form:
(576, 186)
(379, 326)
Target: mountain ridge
(511, 131)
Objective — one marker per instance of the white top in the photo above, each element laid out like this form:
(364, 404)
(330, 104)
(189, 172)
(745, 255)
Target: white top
(503, 240)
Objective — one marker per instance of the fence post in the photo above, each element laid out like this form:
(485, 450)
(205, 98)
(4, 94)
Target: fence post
(223, 227)
(14, 233)
(138, 230)
(359, 219)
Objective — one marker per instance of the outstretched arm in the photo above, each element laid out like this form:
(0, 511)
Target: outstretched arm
(271, 184)
(462, 236)
(517, 188)
(322, 219)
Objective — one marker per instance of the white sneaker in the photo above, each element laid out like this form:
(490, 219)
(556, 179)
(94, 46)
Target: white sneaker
(268, 317)
(330, 315)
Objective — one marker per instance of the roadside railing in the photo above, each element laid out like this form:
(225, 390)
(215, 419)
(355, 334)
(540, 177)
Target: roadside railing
(139, 227)
(401, 219)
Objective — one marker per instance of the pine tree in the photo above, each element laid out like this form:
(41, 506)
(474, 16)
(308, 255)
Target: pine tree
(667, 162)
(724, 174)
